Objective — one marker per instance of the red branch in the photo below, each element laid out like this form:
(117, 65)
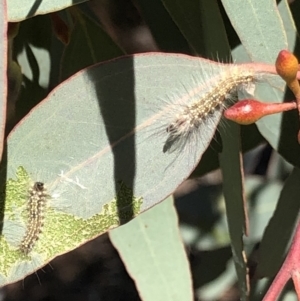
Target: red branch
(290, 269)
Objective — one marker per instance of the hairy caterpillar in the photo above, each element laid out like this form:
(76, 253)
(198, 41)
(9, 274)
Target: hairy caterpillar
(195, 113)
(36, 209)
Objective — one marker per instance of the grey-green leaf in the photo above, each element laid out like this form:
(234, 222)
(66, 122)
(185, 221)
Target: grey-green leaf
(153, 253)
(111, 124)
(19, 10)
(264, 30)
(279, 231)
(233, 175)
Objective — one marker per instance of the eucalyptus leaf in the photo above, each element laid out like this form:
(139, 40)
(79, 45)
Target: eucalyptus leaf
(111, 124)
(154, 255)
(19, 10)
(236, 208)
(264, 30)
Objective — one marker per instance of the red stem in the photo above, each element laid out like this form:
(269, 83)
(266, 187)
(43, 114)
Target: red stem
(273, 108)
(270, 69)
(289, 269)
(296, 280)
(265, 68)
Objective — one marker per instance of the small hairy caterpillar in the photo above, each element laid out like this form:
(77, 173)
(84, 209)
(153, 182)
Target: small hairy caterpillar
(195, 113)
(36, 207)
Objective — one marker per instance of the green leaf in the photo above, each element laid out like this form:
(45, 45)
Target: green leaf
(19, 10)
(89, 131)
(235, 202)
(152, 251)
(262, 196)
(258, 26)
(60, 231)
(109, 123)
(157, 17)
(281, 130)
(264, 30)
(89, 44)
(33, 50)
(279, 231)
(202, 25)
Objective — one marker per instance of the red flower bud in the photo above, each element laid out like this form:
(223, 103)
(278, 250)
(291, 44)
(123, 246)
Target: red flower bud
(287, 65)
(248, 111)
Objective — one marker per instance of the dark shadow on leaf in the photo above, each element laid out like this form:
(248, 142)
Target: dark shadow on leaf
(34, 8)
(119, 116)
